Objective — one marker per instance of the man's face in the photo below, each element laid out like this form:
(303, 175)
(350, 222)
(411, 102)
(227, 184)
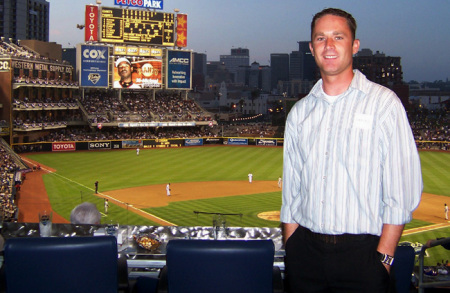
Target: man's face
(333, 46)
(124, 70)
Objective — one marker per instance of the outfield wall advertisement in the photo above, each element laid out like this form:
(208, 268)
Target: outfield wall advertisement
(164, 143)
(106, 145)
(99, 145)
(193, 141)
(63, 146)
(266, 142)
(237, 141)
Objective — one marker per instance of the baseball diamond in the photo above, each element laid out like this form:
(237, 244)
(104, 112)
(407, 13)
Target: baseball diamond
(146, 204)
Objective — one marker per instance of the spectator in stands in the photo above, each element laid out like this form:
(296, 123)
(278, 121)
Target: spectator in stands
(124, 69)
(85, 213)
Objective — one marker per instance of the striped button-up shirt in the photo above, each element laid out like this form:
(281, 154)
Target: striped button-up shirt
(351, 165)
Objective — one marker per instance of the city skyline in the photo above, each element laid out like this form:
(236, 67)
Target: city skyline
(414, 30)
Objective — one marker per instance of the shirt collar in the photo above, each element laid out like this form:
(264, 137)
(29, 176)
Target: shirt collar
(359, 83)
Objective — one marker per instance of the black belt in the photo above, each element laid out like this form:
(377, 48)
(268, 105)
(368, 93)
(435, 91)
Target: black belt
(335, 239)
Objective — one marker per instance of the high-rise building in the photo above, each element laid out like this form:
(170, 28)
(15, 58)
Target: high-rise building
(302, 64)
(198, 70)
(295, 65)
(384, 70)
(279, 66)
(238, 57)
(25, 19)
(378, 67)
(309, 70)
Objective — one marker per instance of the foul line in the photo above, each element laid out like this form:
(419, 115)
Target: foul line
(104, 195)
(425, 229)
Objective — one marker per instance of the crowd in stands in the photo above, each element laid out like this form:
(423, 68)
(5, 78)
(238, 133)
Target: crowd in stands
(49, 117)
(8, 168)
(45, 81)
(105, 106)
(250, 130)
(431, 129)
(12, 49)
(16, 50)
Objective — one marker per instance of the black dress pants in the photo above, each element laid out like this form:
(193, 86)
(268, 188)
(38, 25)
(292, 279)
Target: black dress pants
(325, 263)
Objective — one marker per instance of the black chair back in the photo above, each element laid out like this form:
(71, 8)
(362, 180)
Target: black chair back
(220, 266)
(61, 264)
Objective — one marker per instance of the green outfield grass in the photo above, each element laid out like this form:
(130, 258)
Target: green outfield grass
(77, 171)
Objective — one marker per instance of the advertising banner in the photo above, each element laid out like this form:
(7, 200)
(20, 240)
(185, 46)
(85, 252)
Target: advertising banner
(94, 66)
(91, 23)
(181, 30)
(131, 144)
(213, 140)
(179, 70)
(137, 74)
(193, 141)
(99, 145)
(163, 143)
(63, 146)
(266, 142)
(237, 141)
(153, 4)
(156, 124)
(4, 66)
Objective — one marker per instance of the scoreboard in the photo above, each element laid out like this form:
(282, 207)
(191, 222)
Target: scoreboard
(137, 26)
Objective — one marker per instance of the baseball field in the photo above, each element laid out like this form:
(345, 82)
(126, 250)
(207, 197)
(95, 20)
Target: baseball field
(202, 179)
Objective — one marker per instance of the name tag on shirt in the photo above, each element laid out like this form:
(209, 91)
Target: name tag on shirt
(363, 121)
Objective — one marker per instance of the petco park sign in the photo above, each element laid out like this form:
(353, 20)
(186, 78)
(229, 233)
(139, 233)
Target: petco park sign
(63, 146)
(154, 4)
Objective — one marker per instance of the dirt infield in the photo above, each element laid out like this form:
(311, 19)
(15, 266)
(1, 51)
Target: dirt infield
(33, 198)
(155, 195)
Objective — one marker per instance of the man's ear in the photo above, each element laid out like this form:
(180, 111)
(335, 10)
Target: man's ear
(311, 49)
(356, 45)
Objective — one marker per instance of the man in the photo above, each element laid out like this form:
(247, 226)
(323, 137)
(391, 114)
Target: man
(96, 186)
(352, 173)
(106, 204)
(124, 70)
(85, 213)
(168, 189)
(446, 211)
(250, 177)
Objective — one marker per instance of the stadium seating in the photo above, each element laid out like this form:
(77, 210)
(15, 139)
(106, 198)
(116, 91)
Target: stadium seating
(61, 264)
(220, 266)
(402, 268)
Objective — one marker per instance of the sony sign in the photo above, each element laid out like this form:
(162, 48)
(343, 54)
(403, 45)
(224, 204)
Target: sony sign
(95, 145)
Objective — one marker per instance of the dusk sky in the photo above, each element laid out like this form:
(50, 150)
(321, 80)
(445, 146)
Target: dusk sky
(415, 30)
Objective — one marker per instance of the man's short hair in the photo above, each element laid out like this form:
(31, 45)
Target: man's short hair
(122, 59)
(85, 213)
(336, 12)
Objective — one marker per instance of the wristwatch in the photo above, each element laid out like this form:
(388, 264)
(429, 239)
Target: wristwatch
(386, 258)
